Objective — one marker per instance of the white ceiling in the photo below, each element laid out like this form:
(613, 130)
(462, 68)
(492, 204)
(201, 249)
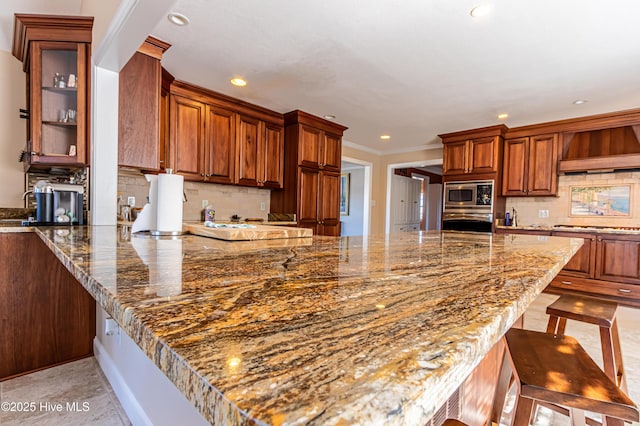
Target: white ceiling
(412, 68)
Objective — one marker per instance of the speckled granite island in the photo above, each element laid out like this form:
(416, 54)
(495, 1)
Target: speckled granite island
(315, 330)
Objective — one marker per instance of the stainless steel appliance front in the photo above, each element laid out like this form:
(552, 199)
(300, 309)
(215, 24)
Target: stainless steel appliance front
(468, 206)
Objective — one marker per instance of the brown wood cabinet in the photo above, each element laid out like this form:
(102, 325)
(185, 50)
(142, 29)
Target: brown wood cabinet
(471, 156)
(53, 48)
(470, 153)
(219, 145)
(45, 319)
(219, 139)
(313, 150)
(140, 117)
(530, 166)
(317, 210)
(606, 265)
(582, 264)
(187, 137)
(319, 148)
(260, 153)
(618, 258)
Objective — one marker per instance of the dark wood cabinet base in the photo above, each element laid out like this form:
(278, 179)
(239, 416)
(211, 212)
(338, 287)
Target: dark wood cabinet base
(46, 317)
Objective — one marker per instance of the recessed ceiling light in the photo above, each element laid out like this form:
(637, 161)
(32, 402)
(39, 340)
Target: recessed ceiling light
(503, 116)
(480, 10)
(329, 117)
(237, 81)
(580, 101)
(178, 19)
(385, 137)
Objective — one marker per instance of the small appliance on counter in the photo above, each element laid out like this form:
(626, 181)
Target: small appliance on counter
(58, 203)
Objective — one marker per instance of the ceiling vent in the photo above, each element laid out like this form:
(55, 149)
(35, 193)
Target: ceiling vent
(601, 150)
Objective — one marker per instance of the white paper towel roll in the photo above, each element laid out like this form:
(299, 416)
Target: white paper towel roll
(147, 219)
(170, 193)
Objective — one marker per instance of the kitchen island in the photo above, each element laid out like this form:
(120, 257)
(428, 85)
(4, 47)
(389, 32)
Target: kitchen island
(322, 330)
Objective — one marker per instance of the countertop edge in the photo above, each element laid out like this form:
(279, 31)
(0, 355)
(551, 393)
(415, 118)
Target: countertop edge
(211, 404)
(216, 409)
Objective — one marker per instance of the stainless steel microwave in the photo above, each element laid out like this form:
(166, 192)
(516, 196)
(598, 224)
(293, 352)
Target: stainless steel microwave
(472, 196)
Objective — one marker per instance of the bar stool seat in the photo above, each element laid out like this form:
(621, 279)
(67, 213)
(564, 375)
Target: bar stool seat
(555, 369)
(592, 311)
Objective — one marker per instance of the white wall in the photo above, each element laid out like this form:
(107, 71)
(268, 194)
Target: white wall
(352, 224)
(434, 205)
(146, 394)
(13, 130)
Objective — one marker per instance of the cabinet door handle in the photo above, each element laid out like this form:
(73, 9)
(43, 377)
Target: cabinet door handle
(624, 290)
(567, 282)
(202, 174)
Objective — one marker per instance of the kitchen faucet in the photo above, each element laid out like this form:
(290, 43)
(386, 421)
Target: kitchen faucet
(26, 194)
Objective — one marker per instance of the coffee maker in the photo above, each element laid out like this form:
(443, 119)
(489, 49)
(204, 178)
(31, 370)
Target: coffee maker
(59, 203)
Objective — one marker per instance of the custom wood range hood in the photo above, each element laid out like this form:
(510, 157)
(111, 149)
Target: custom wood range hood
(601, 150)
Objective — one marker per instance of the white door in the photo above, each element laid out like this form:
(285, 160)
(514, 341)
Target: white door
(405, 203)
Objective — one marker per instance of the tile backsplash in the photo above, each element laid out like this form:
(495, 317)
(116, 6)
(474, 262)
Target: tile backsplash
(226, 200)
(560, 207)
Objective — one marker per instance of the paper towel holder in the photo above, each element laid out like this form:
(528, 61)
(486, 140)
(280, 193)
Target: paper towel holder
(166, 233)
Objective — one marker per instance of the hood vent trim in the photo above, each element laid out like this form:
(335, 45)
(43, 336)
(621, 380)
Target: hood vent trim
(602, 150)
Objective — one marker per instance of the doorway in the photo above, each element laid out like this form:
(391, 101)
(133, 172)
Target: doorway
(429, 199)
(355, 217)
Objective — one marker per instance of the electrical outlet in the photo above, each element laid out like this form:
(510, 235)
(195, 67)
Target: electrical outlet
(131, 200)
(205, 203)
(543, 213)
(263, 206)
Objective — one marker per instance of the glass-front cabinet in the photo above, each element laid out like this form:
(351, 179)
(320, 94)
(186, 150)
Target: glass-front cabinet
(57, 72)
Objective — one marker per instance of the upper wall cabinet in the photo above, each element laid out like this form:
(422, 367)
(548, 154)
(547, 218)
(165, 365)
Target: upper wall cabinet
(214, 138)
(530, 166)
(140, 117)
(473, 153)
(56, 54)
(319, 148)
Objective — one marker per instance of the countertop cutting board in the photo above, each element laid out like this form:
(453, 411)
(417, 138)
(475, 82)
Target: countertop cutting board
(260, 232)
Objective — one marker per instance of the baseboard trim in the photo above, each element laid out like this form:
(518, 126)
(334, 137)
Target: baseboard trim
(127, 399)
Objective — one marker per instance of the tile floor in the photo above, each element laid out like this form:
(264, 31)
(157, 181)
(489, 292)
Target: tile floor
(83, 382)
(54, 392)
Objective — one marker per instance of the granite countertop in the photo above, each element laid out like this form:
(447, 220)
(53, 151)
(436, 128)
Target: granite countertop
(574, 228)
(321, 330)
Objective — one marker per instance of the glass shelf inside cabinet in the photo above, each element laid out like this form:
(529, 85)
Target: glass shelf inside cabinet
(59, 102)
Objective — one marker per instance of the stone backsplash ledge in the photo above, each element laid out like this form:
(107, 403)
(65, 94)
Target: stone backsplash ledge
(227, 200)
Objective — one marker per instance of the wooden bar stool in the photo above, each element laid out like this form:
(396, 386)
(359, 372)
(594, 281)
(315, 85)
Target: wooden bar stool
(555, 369)
(593, 311)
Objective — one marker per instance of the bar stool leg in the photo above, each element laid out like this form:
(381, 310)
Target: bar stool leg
(608, 357)
(620, 379)
(522, 411)
(612, 355)
(612, 421)
(552, 324)
(577, 417)
(556, 325)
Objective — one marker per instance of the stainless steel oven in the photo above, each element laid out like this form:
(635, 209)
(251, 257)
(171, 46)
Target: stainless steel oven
(468, 206)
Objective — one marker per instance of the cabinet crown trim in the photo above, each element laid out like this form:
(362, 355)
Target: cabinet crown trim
(498, 130)
(30, 27)
(208, 96)
(301, 117)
